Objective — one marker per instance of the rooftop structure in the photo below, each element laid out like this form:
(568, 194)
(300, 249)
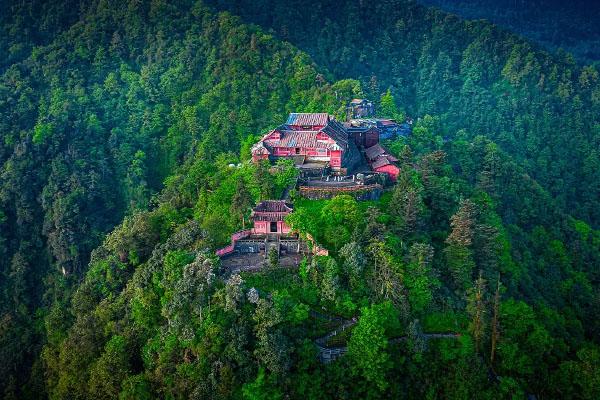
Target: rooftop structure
(360, 108)
(381, 161)
(388, 128)
(308, 120)
(269, 217)
(309, 137)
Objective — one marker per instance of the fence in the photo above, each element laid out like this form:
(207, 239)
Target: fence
(235, 237)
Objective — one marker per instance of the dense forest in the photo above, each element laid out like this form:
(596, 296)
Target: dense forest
(572, 26)
(124, 163)
(542, 109)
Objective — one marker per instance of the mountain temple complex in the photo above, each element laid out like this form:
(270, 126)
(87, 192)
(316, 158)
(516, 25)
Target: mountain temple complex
(347, 159)
(310, 138)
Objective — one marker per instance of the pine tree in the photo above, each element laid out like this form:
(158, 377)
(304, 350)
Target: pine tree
(459, 255)
(388, 107)
(407, 203)
(386, 279)
(420, 278)
(241, 201)
(495, 324)
(264, 180)
(476, 308)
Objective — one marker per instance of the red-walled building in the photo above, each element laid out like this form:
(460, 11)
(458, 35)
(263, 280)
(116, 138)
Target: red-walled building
(269, 217)
(381, 161)
(309, 137)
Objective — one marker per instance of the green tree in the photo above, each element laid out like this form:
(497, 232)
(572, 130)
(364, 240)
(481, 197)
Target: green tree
(340, 216)
(388, 107)
(420, 278)
(264, 180)
(477, 310)
(367, 348)
(353, 264)
(459, 256)
(110, 370)
(241, 202)
(273, 258)
(261, 389)
(407, 203)
(386, 281)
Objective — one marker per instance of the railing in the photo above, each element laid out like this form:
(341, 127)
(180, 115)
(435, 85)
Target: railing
(225, 250)
(357, 188)
(234, 238)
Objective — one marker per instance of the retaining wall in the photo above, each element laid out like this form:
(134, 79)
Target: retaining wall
(359, 192)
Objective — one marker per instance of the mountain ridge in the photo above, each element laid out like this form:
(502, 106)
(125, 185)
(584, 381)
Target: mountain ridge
(126, 144)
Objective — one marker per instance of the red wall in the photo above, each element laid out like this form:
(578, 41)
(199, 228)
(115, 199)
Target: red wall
(391, 170)
(263, 227)
(310, 152)
(336, 158)
(260, 227)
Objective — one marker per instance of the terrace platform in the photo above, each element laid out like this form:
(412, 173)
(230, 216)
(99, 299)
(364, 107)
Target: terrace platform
(253, 262)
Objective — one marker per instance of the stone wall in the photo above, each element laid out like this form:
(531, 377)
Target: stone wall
(250, 246)
(359, 192)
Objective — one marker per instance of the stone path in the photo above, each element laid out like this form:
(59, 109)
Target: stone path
(329, 354)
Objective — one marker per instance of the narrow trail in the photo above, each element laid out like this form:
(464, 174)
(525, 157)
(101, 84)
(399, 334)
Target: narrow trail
(329, 354)
(322, 341)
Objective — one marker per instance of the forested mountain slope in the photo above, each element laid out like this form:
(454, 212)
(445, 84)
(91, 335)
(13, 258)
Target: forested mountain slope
(572, 26)
(544, 110)
(26, 24)
(513, 306)
(93, 122)
(470, 278)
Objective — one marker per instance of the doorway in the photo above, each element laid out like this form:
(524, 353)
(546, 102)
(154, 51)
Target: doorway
(273, 227)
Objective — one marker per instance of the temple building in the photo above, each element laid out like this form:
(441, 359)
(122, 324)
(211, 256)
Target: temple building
(360, 108)
(310, 138)
(269, 217)
(249, 249)
(381, 161)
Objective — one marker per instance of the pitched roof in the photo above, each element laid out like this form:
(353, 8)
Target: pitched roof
(336, 131)
(289, 136)
(303, 139)
(273, 206)
(308, 119)
(271, 210)
(381, 161)
(308, 138)
(379, 156)
(374, 151)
